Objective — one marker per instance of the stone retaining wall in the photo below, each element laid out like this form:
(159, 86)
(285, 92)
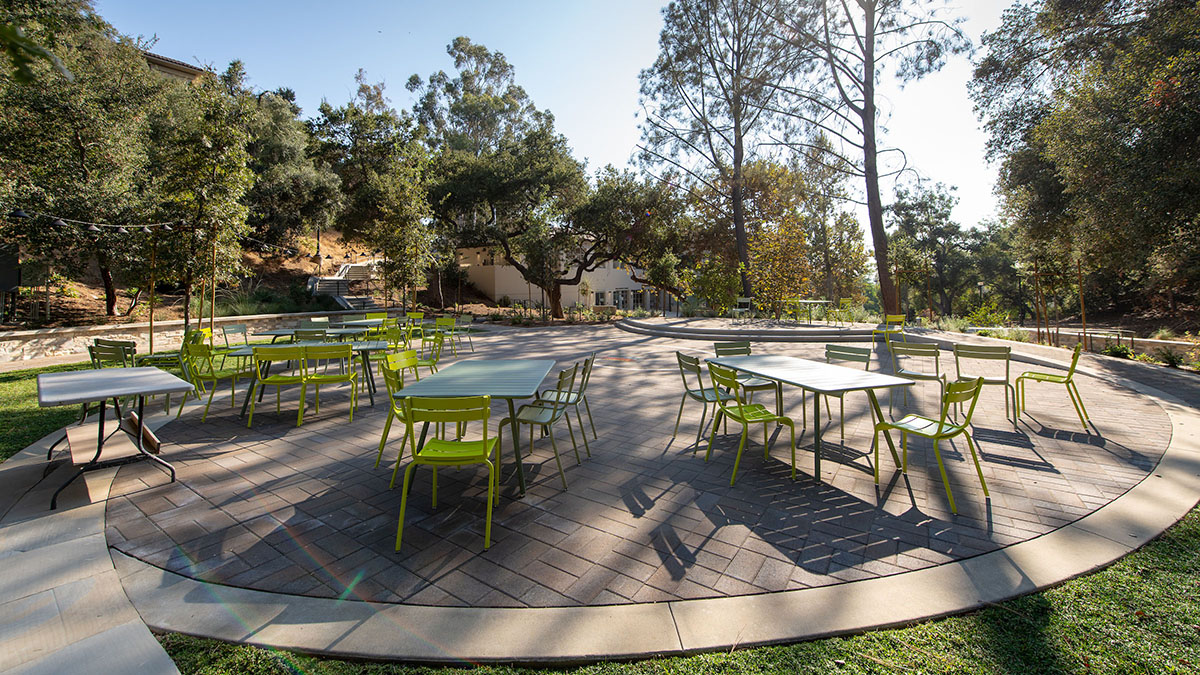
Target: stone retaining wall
(33, 344)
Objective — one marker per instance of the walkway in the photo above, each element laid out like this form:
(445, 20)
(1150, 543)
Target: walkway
(283, 536)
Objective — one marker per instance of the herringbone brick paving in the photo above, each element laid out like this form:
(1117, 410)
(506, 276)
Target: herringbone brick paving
(301, 510)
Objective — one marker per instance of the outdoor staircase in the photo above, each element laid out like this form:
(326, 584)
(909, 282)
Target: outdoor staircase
(337, 286)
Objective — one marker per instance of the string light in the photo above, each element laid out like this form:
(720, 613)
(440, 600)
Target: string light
(60, 221)
(122, 230)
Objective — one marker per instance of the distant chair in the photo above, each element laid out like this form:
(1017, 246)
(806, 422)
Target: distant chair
(902, 352)
(742, 309)
(893, 324)
(987, 353)
(845, 353)
(1068, 380)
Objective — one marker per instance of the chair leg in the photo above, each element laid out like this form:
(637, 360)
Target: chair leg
(945, 479)
(387, 428)
(712, 435)
(792, 432)
(904, 446)
(875, 447)
(842, 417)
(404, 502)
(699, 429)
(574, 445)
(554, 444)
(303, 398)
(487, 524)
(204, 417)
(1083, 416)
(253, 400)
(975, 456)
(588, 408)
(737, 460)
(582, 431)
(677, 417)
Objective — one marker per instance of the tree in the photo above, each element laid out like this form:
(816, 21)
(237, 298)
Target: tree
(202, 177)
(843, 49)
(1092, 108)
(291, 195)
(708, 99)
(359, 141)
(929, 240)
(78, 148)
(403, 230)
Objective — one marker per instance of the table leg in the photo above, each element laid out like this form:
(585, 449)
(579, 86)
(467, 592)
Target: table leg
(817, 436)
(99, 447)
(263, 369)
(140, 427)
(420, 446)
(512, 416)
(370, 377)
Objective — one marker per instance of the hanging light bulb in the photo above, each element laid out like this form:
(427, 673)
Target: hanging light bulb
(167, 227)
(145, 229)
(18, 213)
(93, 228)
(122, 230)
(59, 222)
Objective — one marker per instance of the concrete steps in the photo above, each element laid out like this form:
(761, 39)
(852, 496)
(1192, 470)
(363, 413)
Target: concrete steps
(749, 332)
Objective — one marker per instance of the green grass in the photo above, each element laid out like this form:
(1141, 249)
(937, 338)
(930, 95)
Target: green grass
(22, 421)
(1141, 615)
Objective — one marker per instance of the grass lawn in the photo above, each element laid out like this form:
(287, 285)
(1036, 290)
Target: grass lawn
(22, 421)
(1142, 615)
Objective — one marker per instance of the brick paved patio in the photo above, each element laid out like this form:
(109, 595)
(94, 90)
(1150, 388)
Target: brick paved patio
(302, 511)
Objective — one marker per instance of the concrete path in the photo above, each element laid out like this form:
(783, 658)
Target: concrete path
(168, 600)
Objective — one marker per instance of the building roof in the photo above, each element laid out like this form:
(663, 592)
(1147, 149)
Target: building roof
(173, 67)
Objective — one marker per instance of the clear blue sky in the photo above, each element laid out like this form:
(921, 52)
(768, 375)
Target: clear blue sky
(578, 58)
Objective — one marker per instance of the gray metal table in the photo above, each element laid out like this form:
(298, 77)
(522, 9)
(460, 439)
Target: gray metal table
(362, 347)
(808, 305)
(276, 333)
(360, 323)
(821, 378)
(509, 379)
(89, 386)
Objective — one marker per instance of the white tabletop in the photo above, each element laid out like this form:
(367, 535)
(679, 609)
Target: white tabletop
(85, 386)
(824, 378)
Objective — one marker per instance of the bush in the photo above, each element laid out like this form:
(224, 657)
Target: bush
(1163, 333)
(1169, 357)
(1117, 350)
(1144, 358)
(987, 314)
(953, 324)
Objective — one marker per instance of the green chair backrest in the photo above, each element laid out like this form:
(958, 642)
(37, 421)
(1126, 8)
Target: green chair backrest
(395, 337)
(198, 361)
(732, 348)
(450, 410)
(353, 317)
(982, 352)
(415, 316)
(726, 378)
(848, 353)
(894, 321)
(1074, 360)
(235, 329)
(331, 352)
(914, 349)
(401, 360)
(377, 315)
(266, 355)
(846, 303)
(961, 392)
(435, 351)
(115, 354)
(444, 322)
(303, 334)
(196, 335)
(586, 373)
(690, 364)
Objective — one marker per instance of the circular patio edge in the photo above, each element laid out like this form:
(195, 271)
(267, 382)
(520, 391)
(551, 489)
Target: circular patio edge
(362, 630)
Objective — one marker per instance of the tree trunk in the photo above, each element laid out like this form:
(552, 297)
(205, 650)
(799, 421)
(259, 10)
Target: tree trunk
(887, 286)
(554, 295)
(739, 214)
(110, 287)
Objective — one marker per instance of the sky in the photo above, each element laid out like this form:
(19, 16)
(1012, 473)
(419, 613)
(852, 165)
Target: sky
(578, 58)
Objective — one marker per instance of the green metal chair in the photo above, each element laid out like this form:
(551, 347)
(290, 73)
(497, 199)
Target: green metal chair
(445, 326)
(263, 358)
(893, 324)
(310, 335)
(343, 357)
(432, 344)
(742, 309)
(544, 414)
(842, 313)
(200, 369)
(901, 352)
(690, 365)
(392, 371)
(738, 410)
(573, 397)
(1068, 380)
(850, 354)
(112, 353)
(315, 322)
(462, 327)
(377, 315)
(987, 353)
(938, 430)
(440, 452)
(235, 330)
(751, 383)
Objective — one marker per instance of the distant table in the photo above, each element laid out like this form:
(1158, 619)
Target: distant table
(276, 333)
(509, 379)
(362, 347)
(808, 305)
(89, 386)
(821, 378)
(363, 323)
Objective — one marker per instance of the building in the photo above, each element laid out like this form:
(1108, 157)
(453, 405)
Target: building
(172, 68)
(608, 285)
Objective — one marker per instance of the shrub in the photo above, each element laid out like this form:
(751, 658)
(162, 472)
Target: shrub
(1117, 350)
(953, 324)
(987, 314)
(1144, 358)
(1163, 333)
(1169, 357)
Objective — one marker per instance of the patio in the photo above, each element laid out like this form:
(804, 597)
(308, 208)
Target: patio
(300, 511)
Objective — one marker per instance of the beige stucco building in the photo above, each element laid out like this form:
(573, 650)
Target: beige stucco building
(609, 285)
